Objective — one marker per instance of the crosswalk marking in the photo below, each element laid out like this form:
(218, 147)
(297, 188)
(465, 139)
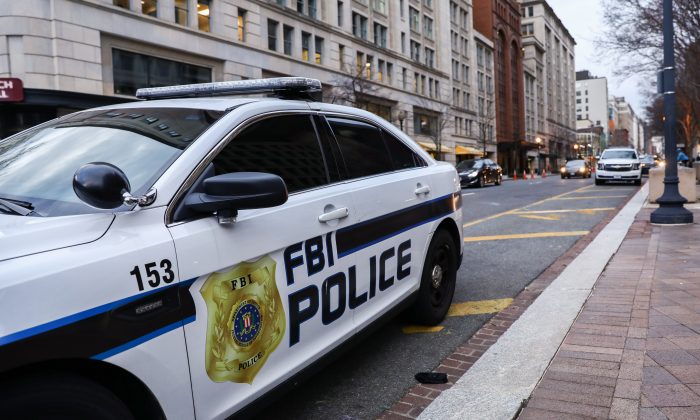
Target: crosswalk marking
(585, 211)
(532, 216)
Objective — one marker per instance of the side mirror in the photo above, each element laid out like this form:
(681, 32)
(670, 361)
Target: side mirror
(228, 193)
(101, 185)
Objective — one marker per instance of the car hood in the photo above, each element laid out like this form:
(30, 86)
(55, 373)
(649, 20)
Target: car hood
(618, 161)
(26, 235)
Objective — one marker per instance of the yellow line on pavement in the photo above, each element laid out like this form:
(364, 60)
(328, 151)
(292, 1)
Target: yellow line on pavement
(476, 222)
(532, 216)
(586, 211)
(525, 236)
(589, 197)
(479, 307)
(416, 329)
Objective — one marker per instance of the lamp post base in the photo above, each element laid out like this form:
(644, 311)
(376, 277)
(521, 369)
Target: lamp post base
(672, 215)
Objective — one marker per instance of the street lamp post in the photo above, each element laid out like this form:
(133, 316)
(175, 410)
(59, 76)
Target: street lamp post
(576, 150)
(539, 154)
(671, 210)
(402, 116)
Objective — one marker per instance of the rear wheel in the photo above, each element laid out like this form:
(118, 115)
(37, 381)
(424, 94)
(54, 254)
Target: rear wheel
(437, 281)
(60, 396)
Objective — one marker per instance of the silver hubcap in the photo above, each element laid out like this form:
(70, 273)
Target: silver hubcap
(437, 276)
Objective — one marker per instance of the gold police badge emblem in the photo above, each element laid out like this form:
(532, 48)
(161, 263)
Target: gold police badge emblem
(245, 320)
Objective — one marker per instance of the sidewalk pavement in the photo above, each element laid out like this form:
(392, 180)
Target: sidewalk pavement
(616, 335)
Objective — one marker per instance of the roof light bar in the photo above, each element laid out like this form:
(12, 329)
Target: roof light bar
(286, 86)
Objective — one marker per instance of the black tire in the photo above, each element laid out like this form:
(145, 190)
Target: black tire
(499, 180)
(563, 177)
(598, 181)
(480, 183)
(60, 396)
(638, 181)
(437, 281)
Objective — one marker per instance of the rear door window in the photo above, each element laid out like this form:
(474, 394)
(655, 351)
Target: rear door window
(362, 147)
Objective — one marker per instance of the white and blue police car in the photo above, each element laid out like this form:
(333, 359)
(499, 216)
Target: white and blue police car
(187, 255)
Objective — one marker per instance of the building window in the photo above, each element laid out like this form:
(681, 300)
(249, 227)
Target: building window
(121, 3)
(530, 11)
(380, 35)
(305, 43)
(429, 57)
(428, 3)
(359, 25)
(133, 71)
(341, 56)
(149, 7)
(312, 9)
(368, 67)
(318, 50)
(181, 12)
(453, 12)
(359, 63)
(379, 6)
(389, 72)
(424, 124)
(241, 24)
(300, 6)
(403, 43)
(282, 3)
(380, 70)
(401, 12)
(428, 27)
(340, 14)
(414, 19)
(415, 51)
(272, 26)
(404, 76)
(288, 35)
(203, 12)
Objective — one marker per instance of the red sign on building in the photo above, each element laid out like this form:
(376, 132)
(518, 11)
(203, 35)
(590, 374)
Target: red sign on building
(11, 90)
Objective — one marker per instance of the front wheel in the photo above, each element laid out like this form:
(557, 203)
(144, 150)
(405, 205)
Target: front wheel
(638, 181)
(598, 181)
(499, 179)
(60, 396)
(437, 281)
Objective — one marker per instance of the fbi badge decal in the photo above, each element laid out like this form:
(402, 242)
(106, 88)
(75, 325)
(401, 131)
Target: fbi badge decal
(245, 320)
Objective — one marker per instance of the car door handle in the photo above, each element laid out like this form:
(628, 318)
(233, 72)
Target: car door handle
(336, 214)
(422, 190)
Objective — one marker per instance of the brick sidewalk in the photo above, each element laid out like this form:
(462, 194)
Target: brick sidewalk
(634, 350)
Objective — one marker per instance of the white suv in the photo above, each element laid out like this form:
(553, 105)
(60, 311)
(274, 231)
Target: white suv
(618, 164)
(186, 257)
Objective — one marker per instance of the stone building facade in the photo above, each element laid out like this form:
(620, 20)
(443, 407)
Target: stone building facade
(405, 60)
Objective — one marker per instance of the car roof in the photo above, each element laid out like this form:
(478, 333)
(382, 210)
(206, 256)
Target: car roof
(214, 104)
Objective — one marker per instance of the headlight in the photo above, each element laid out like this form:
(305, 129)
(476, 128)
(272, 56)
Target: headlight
(635, 166)
(562, 170)
(582, 169)
(662, 163)
(601, 166)
(472, 174)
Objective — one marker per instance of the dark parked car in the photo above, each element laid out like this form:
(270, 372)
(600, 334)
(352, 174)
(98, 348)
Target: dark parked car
(479, 172)
(576, 168)
(647, 162)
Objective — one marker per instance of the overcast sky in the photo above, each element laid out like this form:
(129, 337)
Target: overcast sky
(584, 21)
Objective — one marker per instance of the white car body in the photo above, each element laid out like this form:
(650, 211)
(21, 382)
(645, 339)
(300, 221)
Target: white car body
(69, 288)
(612, 168)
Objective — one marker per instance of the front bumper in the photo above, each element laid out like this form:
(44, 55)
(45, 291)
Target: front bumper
(465, 181)
(618, 175)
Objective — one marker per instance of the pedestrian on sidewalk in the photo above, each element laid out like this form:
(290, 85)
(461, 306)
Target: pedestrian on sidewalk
(682, 158)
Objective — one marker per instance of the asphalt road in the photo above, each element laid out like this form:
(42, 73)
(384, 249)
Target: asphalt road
(512, 233)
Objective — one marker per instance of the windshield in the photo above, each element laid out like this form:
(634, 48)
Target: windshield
(574, 164)
(619, 154)
(466, 165)
(647, 159)
(37, 165)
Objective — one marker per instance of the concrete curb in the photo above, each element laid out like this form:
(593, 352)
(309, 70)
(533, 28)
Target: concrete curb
(508, 372)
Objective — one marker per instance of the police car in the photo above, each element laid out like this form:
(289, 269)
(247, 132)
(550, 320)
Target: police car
(187, 255)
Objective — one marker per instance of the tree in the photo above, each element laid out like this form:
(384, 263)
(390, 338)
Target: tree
(635, 37)
(353, 88)
(486, 118)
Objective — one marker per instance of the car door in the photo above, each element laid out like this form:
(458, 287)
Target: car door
(269, 288)
(393, 192)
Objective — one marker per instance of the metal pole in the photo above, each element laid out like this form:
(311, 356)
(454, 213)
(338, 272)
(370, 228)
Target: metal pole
(671, 210)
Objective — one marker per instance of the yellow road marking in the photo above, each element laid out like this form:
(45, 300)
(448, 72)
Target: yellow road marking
(525, 236)
(416, 329)
(585, 211)
(532, 216)
(589, 197)
(476, 222)
(478, 307)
